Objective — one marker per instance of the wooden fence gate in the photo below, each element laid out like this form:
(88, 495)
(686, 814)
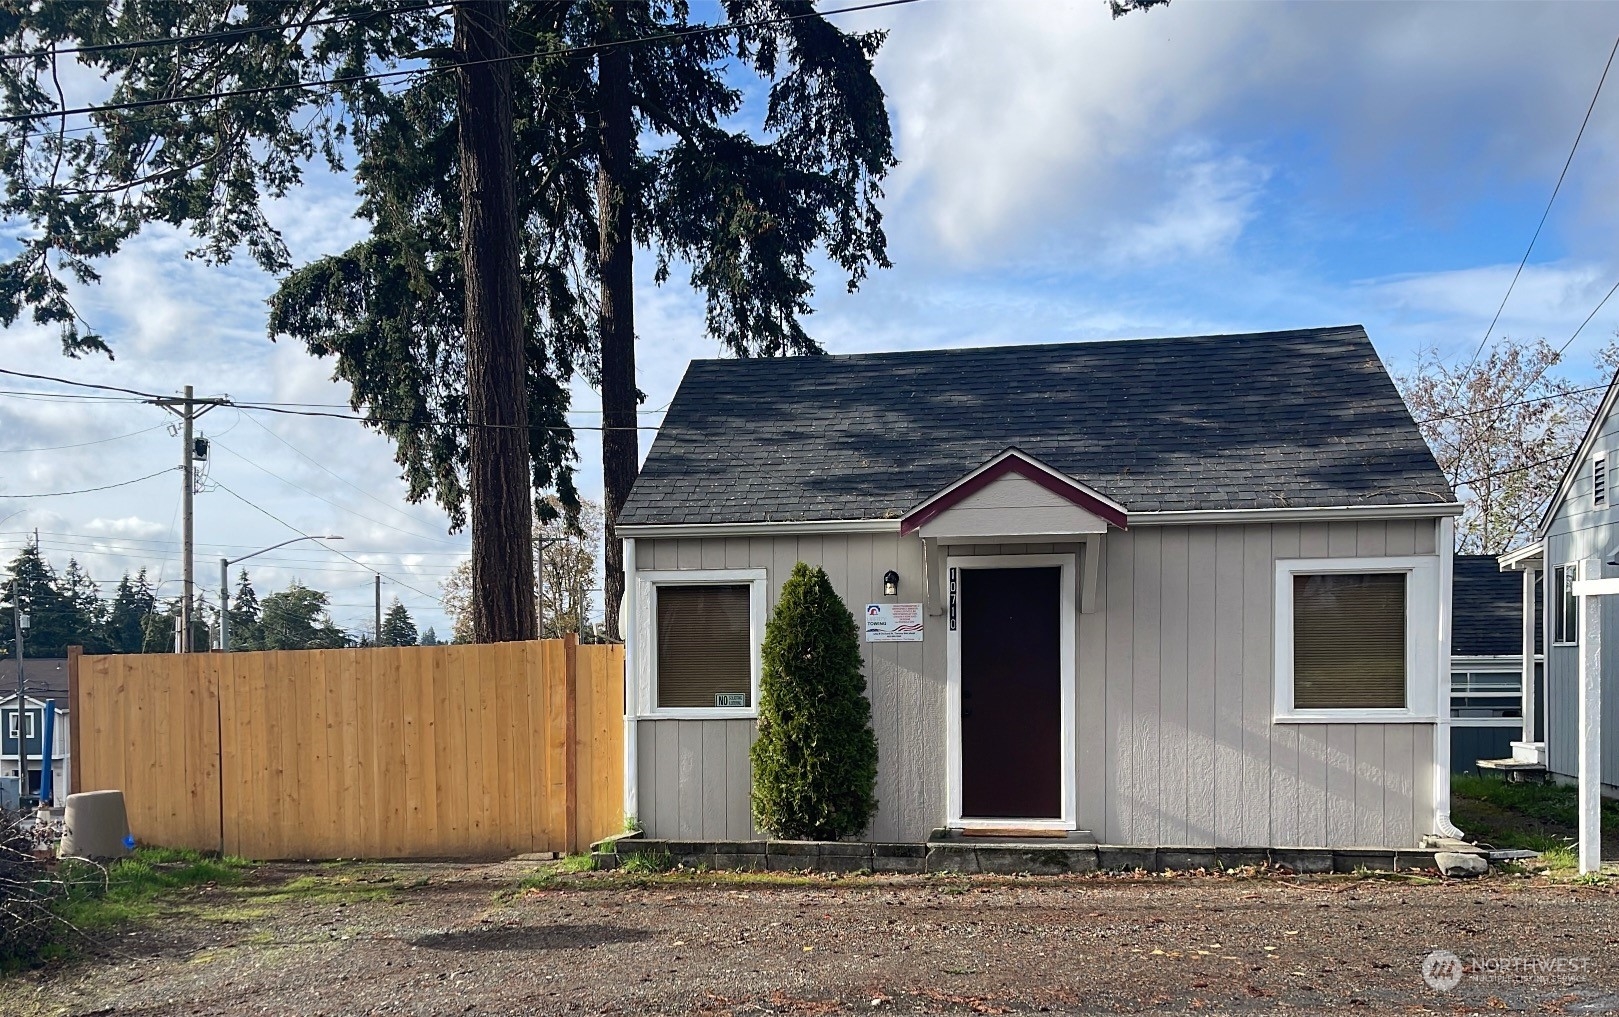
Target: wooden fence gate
(390, 752)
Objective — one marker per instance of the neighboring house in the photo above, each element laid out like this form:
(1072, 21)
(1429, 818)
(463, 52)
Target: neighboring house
(1578, 537)
(1188, 591)
(1486, 664)
(45, 679)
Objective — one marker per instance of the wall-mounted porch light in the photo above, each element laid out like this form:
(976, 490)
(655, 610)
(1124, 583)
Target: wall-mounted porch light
(890, 583)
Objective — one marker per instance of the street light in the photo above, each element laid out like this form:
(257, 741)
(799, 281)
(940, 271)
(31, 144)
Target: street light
(224, 583)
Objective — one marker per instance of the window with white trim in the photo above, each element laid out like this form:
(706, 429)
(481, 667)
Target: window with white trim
(704, 656)
(11, 724)
(1565, 608)
(702, 630)
(1357, 639)
(1599, 481)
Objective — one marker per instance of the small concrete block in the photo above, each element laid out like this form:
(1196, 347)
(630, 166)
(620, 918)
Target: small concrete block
(1240, 857)
(845, 849)
(1186, 859)
(1462, 864)
(948, 857)
(733, 861)
(906, 850)
(689, 847)
(603, 861)
(1122, 858)
(1036, 860)
(804, 848)
(1354, 859)
(1302, 860)
(1406, 861)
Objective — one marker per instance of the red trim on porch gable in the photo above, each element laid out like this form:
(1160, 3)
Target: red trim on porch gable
(1020, 464)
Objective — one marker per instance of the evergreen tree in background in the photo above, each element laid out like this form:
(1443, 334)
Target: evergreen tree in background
(815, 759)
(246, 632)
(297, 619)
(87, 612)
(397, 627)
(133, 605)
(53, 623)
(430, 638)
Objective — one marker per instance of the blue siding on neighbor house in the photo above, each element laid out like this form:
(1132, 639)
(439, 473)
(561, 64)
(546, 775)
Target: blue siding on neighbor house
(1578, 530)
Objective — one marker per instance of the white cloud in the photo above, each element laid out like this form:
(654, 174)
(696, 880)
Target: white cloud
(1020, 122)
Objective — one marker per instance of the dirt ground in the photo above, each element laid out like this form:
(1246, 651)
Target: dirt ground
(496, 939)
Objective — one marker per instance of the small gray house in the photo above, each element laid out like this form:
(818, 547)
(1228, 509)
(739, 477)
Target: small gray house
(1578, 538)
(1189, 591)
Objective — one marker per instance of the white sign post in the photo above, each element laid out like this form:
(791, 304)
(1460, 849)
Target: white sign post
(893, 623)
(1589, 593)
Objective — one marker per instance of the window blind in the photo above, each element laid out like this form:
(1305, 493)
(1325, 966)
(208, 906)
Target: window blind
(704, 647)
(1349, 642)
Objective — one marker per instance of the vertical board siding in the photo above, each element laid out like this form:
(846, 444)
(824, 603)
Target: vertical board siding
(1174, 683)
(385, 753)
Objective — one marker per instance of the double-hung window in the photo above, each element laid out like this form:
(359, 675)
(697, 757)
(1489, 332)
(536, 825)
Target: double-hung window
(704, 630)
(29, 723)
(1357, 639)
(1565, 608)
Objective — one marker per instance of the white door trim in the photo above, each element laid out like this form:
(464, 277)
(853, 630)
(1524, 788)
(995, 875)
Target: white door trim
(1067, 609)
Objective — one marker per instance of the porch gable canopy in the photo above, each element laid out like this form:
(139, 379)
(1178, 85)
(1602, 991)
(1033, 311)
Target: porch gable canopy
(1014, 495)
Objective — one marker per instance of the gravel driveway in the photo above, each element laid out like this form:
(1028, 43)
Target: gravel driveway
(455, 939)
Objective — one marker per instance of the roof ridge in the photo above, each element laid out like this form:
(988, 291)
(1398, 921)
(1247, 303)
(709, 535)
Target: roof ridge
(1286, 333)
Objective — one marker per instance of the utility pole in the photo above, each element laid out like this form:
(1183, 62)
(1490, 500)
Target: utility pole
(186, 408)
(188, 473)
(378, 587)
(20, 620)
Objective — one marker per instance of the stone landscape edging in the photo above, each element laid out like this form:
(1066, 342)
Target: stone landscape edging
(1001, 858)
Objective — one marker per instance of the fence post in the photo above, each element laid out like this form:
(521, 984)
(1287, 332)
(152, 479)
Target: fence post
(74, 721)
(570, 758)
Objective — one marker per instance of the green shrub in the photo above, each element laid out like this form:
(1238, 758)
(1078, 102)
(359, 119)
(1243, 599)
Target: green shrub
(815, 760)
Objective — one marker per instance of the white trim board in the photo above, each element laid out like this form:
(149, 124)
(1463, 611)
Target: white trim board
(1068, 614)
(1330, 513)
(646, 634)
(1422, 663)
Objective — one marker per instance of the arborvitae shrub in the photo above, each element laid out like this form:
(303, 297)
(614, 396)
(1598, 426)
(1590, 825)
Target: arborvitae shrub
(815, 760)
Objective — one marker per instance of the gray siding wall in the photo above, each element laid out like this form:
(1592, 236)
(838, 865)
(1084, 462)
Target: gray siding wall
(1581, 529)
(1174, 689)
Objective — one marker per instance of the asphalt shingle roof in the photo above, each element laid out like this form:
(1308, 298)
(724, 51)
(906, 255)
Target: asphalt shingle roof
(46, 678)
(1487, 609)
(1268, 420)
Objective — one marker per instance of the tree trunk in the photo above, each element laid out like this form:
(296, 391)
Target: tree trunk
(620, 445)
(497, 374)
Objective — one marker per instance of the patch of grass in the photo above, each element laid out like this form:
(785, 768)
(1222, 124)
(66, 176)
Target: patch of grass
(1546, 803)
(140, 886)
(318, 890)
(646, 863)
(575, 863)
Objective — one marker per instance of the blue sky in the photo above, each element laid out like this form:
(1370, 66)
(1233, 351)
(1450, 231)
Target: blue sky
(1209, 167)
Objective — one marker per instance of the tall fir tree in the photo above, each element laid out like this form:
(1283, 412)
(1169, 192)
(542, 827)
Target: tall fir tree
(87, 610)
(815, 757)
(246, 629)
(297, 619)
(397, 627)
(133, 606)
(53, 623)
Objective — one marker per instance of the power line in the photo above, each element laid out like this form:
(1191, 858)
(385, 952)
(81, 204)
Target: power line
(292, 86)
(261, 509)
(89, 490)
(82, 444)
(1543, 215)
(116, 539)
(229, 33)
(328, 501)
(1503, 406)
(1511, 470)
(339, 478)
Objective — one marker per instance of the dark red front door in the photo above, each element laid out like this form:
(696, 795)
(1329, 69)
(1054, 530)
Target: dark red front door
(1011, 692)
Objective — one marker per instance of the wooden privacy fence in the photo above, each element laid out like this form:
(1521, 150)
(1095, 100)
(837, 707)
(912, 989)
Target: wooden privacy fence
(390, 752)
